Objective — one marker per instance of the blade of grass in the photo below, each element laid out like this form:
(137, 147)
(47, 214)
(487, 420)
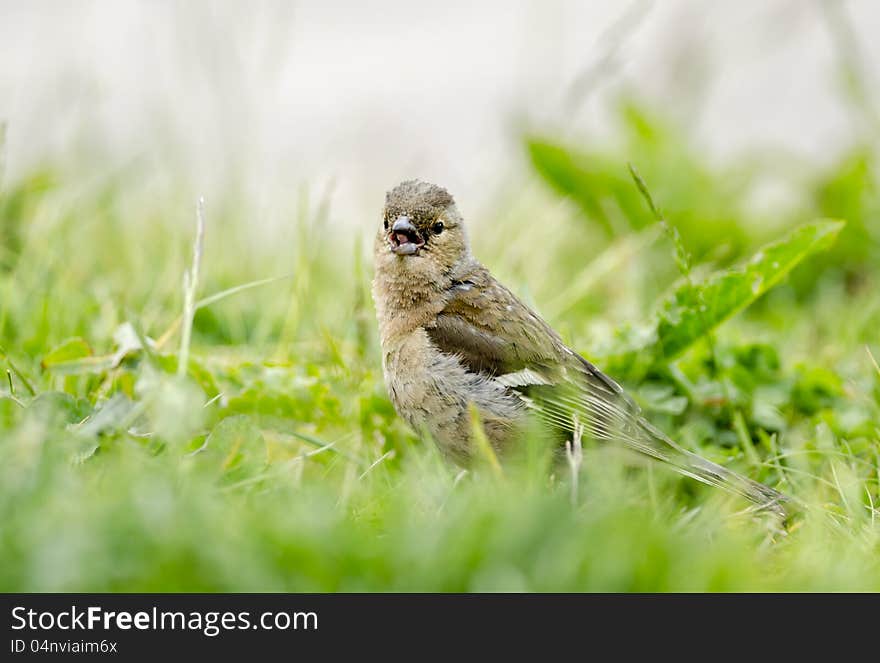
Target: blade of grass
(18, 373)
(190, 285)
(213, 299)
(320, 444)
(482, 442)
(380, 459)
(873, 360)
(745, 439)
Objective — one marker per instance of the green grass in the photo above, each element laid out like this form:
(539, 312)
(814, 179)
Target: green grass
(276, 462)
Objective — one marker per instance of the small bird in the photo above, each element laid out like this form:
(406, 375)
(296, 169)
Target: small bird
(453, 338)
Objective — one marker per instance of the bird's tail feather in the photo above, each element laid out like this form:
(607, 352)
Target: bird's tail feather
(701, 469)
(613, 417)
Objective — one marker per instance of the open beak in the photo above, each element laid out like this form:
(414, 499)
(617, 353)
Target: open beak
(404, 238)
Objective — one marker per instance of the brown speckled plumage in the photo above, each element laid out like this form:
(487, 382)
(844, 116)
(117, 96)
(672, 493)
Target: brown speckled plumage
(452, 337)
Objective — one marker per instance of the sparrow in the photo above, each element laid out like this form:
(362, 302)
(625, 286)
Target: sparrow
(453, 339)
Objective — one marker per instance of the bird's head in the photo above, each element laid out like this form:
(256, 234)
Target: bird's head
(421, 234)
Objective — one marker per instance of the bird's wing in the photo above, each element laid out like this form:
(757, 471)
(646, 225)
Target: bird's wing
(496, 335)
(491, 330)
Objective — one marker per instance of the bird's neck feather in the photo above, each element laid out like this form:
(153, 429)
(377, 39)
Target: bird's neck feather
(407, 299)
(403, 305)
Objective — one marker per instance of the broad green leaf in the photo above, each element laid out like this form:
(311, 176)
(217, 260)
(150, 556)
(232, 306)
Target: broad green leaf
(705, 204)
(75, 356)
(70, 350)
(96, 364)
(588, 180)
(694, 310)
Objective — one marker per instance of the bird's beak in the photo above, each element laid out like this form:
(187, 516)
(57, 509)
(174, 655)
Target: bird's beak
(404, 237)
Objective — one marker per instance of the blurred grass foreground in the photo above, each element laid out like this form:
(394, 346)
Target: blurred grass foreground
(257, 451)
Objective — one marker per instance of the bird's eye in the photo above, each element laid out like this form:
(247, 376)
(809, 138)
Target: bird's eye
(438, 228)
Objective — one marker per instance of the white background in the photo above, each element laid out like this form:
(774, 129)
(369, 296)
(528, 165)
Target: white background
(282, 95)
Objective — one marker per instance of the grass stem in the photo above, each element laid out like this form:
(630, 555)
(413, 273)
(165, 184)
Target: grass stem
(190, 286)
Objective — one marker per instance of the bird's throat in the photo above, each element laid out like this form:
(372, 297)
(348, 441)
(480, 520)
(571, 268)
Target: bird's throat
(404, 304)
